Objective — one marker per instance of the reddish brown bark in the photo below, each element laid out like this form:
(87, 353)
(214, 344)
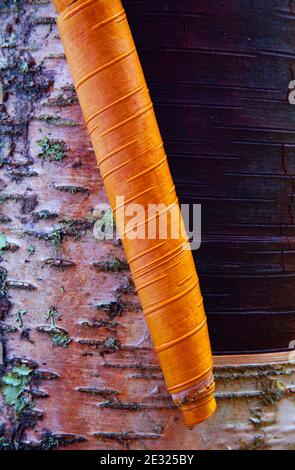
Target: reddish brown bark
(105, 389)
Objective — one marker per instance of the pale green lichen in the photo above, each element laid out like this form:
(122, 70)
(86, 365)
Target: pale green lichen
(3, 242)
(13, 386)
(59, 338)
(19, 317)
(56, 237)
(52, 149)
(53, 316)
(24, 66)
(31, 250)
(3, 63)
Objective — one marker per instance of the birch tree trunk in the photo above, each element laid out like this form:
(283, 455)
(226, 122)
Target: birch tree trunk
(77, 364)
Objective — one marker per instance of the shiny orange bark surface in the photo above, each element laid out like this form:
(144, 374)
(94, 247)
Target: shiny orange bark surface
(121, 122)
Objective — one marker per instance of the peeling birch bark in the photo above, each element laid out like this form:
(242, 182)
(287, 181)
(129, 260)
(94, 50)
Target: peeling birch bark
(71, 328)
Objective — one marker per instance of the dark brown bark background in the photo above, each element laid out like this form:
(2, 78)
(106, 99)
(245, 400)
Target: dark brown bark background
(75, 346)
(219, 74)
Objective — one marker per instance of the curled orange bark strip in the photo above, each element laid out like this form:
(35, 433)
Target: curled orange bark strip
(119, 114)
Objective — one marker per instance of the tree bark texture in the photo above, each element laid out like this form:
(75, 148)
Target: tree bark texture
(78, 368)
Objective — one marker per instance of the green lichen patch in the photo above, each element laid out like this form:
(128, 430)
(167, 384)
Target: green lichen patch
(4, 197)
(51, 441)
(56, 237)
(58, 234)
(13, 387)
(59, 338)
(19, 317)
(110, 345)
(52, 150)
(53, 316)
(24, 66)
(22, 75)
(31, 250)
(21, 445)
(4, 64)
(3, 242)
(67, 97)
(55, 120)
(75, 227)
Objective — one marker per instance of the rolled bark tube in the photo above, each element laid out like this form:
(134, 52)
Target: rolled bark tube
(126, 139)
